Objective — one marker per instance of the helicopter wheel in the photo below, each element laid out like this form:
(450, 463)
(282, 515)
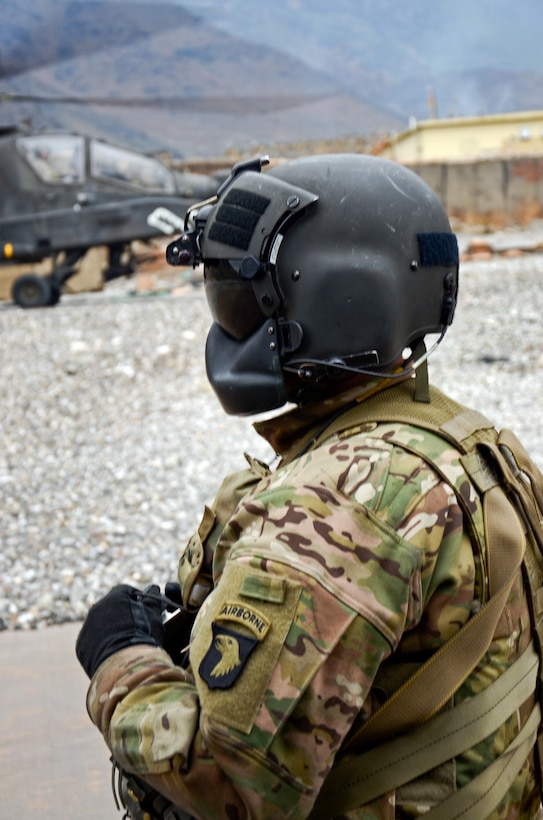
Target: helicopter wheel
(32, 291)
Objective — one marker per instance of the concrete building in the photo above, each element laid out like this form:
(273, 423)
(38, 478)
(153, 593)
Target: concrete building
(467, 138)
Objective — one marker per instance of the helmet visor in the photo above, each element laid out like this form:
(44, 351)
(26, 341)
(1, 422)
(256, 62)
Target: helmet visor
(231, 300)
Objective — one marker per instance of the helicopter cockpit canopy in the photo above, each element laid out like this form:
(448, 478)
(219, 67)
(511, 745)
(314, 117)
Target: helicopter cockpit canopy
(55, 158)
(60, 158)
(111, 162)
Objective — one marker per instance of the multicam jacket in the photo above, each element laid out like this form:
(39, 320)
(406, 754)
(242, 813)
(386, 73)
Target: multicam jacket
(334, 576)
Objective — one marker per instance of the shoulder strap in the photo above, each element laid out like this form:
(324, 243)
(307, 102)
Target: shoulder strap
(366, 776)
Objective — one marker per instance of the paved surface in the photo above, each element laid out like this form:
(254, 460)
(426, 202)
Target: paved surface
(53, 762)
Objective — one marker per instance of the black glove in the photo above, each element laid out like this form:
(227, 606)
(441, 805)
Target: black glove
(124, 617)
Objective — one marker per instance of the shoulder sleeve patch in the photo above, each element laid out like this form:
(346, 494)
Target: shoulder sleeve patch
(240, 636)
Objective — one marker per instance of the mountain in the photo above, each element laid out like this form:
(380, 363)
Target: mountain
(199, 77)
(479, 57)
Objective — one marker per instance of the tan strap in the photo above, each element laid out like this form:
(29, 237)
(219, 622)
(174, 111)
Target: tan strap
(360, 779)
(465, 424)
(485, 792)
(524, 463)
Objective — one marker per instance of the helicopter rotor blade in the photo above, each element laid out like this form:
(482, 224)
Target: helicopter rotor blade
(230, 105)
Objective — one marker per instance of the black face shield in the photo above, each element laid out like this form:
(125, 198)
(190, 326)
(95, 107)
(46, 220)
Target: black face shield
(246, 376)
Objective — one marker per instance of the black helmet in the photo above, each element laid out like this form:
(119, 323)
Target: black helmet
(320, 268)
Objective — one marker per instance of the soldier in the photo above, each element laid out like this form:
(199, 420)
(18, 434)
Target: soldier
(320, 587)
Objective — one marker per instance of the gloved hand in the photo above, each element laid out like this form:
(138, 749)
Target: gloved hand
(124, 617)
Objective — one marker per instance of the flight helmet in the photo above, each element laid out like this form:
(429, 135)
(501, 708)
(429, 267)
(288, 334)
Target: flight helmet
(316, 270)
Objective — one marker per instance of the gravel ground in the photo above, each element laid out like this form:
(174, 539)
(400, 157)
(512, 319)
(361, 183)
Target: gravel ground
(112, 440)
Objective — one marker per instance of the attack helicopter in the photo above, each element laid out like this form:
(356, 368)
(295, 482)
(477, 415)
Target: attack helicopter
(62, 194)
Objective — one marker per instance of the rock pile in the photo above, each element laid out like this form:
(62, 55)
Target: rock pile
(112, 440)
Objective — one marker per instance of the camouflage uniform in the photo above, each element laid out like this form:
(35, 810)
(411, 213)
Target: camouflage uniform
(334, 575)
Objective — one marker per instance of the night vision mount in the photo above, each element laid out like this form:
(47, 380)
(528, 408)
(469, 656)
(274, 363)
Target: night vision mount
(186, 249)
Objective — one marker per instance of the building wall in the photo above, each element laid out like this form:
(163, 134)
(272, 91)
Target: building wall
(468, 138)
(490, 193)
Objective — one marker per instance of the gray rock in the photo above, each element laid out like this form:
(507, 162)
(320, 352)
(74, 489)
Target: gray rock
(112, 440)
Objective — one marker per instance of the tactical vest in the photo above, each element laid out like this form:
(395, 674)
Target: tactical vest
(423, 735)
(510, 532)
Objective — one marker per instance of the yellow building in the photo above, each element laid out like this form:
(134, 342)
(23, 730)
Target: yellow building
(467, 138)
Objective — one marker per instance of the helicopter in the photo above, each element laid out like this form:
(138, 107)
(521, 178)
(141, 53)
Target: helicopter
(63, 193)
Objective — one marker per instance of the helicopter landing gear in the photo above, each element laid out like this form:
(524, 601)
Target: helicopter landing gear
(33, 291)
(120, 262)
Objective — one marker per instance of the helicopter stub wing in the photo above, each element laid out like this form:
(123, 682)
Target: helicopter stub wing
(36, 236)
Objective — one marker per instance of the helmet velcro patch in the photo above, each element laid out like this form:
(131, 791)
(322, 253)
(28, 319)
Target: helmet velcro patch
(237, 218)
(437, 249)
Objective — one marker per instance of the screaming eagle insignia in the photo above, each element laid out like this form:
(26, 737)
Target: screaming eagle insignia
(228, 646)
(226, 657)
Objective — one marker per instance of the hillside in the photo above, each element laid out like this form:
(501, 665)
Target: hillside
(480, 57)
(181, 83)
(201, 77)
